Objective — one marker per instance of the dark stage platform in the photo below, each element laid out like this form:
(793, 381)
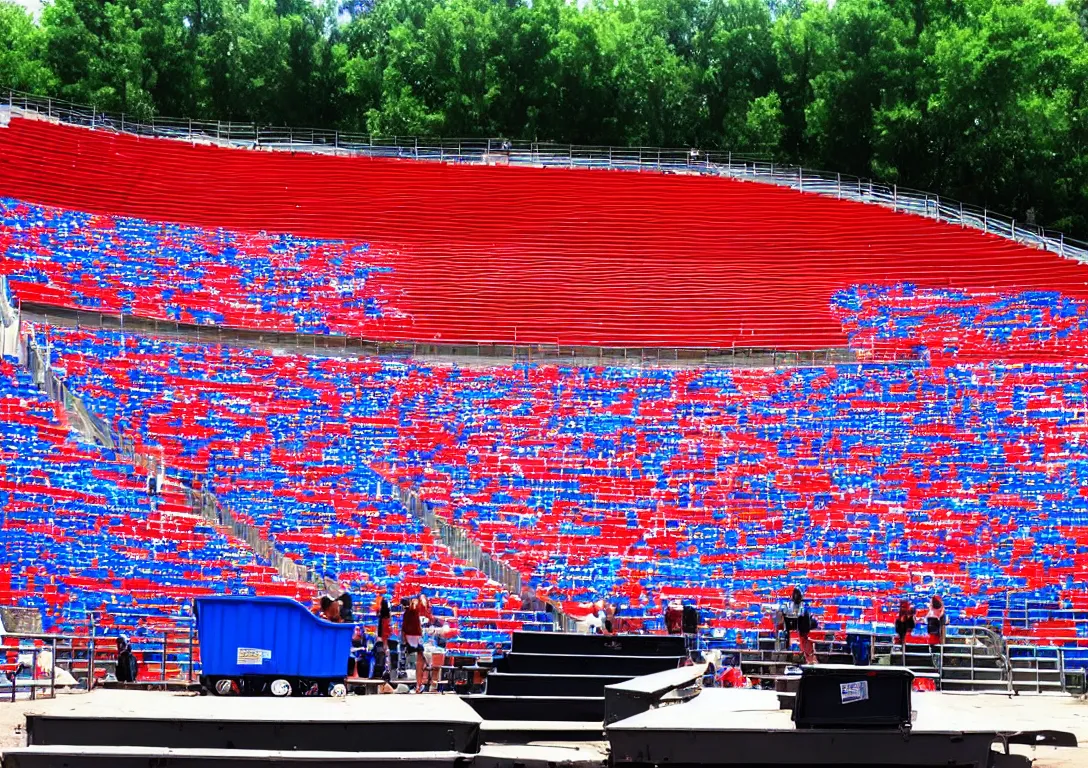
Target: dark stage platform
(723, 727)
(547, 756)
(399, 724)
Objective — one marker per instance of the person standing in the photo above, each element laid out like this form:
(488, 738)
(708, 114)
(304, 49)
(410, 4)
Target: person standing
(345, 604)
(798, 618)
(126, 661)
(904, 622)
(385, 619)
(936, 621)
(415, 610)
(358, 655)
(674, 618)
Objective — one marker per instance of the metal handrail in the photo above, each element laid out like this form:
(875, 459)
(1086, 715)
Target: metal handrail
(546, 154)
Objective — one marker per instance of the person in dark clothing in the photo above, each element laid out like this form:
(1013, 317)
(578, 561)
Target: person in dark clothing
(358, 654)
(381, 670)
(904, 622)
(674, 619)
(346, 605)
(330, 610)
(126, 661)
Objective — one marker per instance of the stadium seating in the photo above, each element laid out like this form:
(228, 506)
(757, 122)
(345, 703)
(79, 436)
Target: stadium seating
(905, 322)
(158, 271)
(950, 458)
(82, 540)
(543, 256)
(863, 483)
(282, 440)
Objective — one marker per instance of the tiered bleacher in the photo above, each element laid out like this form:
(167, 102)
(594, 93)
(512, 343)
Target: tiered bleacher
(283, 442)
(84, 542)
(950, 459)
(259, 281)
(863, 483)
(542, 256)
(950, 326)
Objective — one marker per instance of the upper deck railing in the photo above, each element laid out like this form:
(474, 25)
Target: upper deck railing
(544, 154)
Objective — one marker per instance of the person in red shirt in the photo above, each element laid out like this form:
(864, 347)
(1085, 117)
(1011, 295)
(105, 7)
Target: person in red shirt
(415, 610)
(385, 621)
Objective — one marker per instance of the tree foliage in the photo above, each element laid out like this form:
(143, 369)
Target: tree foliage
(983, 100)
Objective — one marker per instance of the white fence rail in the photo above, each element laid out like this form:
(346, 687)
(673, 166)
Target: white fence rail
(501, 151)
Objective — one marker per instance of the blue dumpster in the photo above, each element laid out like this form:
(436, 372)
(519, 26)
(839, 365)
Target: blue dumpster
(272, 645)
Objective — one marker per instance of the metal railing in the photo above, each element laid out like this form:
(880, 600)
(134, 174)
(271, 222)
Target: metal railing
(39, 364)
(460, 544)
(484, 354)
(167, 657)
(970, 647)
(545, 154)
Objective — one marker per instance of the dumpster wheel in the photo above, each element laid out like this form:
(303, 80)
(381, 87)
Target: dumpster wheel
(281, 688)
(224, 687)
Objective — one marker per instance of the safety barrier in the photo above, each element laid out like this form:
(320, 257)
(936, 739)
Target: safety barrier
(31, 660)
(507, 152)
(460, 545)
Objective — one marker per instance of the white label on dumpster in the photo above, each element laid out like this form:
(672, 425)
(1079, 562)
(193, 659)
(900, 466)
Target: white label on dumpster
(252, 657)
(854, 692)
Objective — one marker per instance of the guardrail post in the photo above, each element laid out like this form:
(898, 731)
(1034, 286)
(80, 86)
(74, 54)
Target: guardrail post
(985, 222)
(895, 197)
(191, 659)
(800, 180)
(1061, 243)
(937, 207)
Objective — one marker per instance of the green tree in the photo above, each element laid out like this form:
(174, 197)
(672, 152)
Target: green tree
(22, 52)
(978, 99)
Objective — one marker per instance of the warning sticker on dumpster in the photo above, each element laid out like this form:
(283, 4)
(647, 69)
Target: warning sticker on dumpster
(252, 657)
(853, 692)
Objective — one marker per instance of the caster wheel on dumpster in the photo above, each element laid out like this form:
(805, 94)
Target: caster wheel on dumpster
(280, 688)
(224, 687)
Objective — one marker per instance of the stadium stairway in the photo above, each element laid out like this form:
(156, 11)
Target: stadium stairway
(553, 676)
(970, 661)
